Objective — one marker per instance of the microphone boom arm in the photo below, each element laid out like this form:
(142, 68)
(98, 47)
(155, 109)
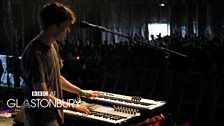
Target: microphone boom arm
(131, 39)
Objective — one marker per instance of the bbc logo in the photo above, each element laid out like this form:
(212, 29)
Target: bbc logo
(39, 93)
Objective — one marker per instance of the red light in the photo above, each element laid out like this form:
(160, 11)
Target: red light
(77, 57)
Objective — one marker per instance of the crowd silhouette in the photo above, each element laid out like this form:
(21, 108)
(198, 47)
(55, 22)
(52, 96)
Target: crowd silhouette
(204, 54)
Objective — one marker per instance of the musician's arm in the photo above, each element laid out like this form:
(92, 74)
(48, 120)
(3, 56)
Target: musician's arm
(60, 103)
(43, 87)
(66, 85)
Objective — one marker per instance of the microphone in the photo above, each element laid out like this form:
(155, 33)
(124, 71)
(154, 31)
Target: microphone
(85, 24)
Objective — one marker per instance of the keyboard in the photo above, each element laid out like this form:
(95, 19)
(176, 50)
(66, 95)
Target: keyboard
(128, 101)
(106, 114)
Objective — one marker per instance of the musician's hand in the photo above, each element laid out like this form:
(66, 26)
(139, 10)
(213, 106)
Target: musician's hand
(81, 108)
(90, 93)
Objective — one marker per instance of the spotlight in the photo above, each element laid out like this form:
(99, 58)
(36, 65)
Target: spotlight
(161, 4)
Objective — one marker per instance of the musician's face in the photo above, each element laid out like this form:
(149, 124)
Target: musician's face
(62, 30)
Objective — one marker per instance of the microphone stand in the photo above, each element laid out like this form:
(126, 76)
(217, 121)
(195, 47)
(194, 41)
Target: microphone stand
(131, 39)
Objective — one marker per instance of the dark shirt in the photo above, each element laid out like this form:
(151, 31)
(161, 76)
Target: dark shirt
(41, 63)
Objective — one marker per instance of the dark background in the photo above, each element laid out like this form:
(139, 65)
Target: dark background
(192, 86)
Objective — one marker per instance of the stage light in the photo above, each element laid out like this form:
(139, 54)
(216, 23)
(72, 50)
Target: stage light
(77, 57)
(161, 4)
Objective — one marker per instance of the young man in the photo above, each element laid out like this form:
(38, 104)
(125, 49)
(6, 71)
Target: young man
(41, 66)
